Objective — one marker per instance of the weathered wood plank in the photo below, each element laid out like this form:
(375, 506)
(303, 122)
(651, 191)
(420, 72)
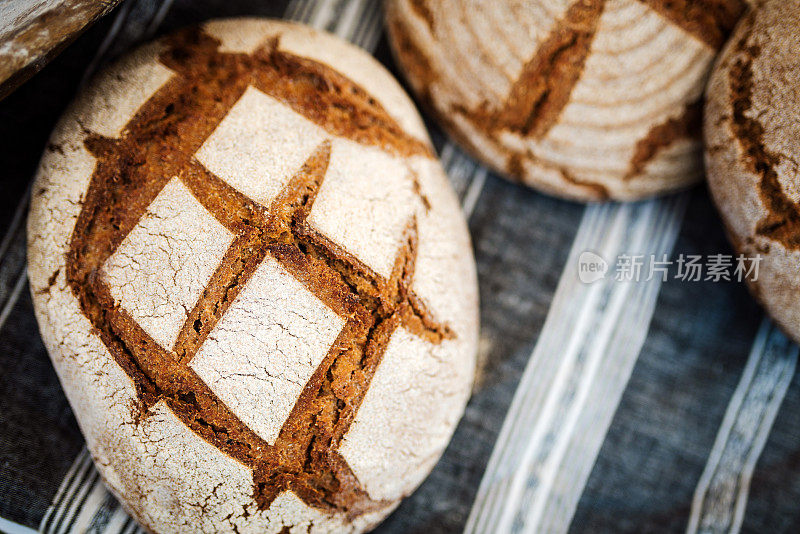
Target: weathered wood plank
(33, 31)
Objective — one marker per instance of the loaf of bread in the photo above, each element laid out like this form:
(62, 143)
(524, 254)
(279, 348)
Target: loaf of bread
(254, 282)
(752, 129)
(585, 99)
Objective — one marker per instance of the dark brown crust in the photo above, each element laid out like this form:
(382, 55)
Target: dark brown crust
(421, 74)
(687, 126)
(543, 89)
(421, 8)
(417, 68)
(782, 222)
(419, 71)
(596, 191)
(331, 100)
(158, 143)
(592, 191)
(710, 21)
(545, 84)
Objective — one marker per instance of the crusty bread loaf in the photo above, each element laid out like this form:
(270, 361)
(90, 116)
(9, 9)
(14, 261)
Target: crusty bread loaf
(752, 128)
(585, 99)
(254, 281)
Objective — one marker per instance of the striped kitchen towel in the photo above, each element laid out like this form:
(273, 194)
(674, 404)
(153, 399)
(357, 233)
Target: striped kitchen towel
(664, 404)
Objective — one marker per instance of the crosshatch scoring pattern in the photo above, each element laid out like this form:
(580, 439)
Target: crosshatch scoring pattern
(159, 144)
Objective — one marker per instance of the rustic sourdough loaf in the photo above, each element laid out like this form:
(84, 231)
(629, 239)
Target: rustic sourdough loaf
(752, 128)
(254, 282)
(585, 99)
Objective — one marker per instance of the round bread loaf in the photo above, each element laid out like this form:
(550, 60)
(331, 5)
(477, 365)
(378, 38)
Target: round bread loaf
(584, 99)
(254, 281)
(752, 130)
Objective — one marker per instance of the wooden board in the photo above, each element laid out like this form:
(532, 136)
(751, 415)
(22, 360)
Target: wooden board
(33, 31)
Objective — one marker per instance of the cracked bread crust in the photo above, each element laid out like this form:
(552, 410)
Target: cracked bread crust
(752, 123)
(584, 99)
(182, 295)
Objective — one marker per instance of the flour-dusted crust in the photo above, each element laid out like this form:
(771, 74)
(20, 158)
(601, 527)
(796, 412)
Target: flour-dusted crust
(752, 127)
(254, 281)
(585, 99)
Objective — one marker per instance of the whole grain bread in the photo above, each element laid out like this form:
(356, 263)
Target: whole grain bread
(254, 281)
(752, 127)
(584, 99)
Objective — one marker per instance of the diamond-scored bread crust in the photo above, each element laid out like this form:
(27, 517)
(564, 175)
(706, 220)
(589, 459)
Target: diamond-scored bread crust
(355, 297)
(752, 123)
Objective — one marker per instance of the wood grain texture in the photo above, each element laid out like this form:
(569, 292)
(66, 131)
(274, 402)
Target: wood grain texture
(33, 31)
(585, 99)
